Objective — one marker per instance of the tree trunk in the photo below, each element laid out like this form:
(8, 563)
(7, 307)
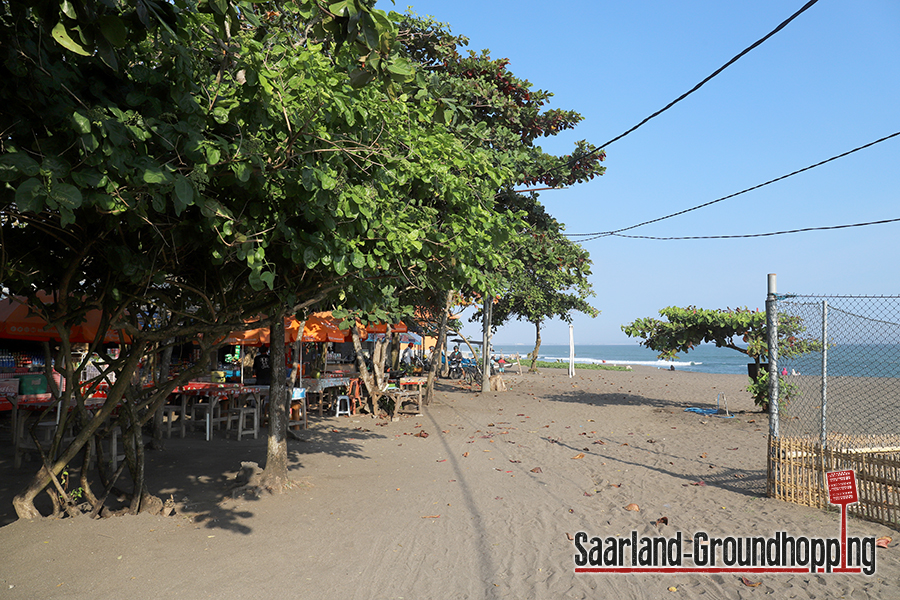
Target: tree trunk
(24, 501)
(367, 378)
(134, 454)
(275, 475)
(437, 354)
(537, 347)
(378, 356)
(395, 350)
(164, 364)
(486, 313)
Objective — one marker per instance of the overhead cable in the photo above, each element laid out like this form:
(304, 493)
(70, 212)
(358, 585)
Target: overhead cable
(751, 235)
(702, 83)
(599, 234)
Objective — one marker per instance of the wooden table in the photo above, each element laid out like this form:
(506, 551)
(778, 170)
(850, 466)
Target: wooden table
(318, 386)
(409, 387)
(215, 393)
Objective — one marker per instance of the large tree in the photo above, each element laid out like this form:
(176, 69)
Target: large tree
(480, 99)
(547, 274)
(212, 164)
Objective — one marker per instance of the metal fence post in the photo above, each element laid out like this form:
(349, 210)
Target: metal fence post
(772, 342)
(824, 434)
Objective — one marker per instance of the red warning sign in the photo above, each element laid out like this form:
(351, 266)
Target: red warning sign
(842, 487)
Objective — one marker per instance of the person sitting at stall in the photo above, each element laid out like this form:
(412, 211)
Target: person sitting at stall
(409, 355)
(262, 367)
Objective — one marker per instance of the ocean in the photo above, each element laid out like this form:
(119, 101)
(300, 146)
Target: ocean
(706, 358)
(850, 360)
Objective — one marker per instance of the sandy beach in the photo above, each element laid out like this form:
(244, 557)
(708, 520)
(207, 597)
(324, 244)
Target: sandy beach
(482, 507)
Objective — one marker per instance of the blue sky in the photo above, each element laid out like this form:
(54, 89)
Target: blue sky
(827, 83)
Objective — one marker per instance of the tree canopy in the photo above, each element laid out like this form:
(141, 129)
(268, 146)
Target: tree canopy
(686, 328)
(224, 161)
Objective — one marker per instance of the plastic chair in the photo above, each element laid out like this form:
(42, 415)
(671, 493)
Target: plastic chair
(342, 406)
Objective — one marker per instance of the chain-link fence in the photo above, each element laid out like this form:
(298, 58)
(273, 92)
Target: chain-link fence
(838, 399)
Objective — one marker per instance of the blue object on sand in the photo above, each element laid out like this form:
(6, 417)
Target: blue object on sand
(712, 411)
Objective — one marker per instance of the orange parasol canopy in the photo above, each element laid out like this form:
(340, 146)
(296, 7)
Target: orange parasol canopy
(16, 322)
(319, 327)
(382, 328)
(250, 337)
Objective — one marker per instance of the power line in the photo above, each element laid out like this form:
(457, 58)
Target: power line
(701, 84)
(751, 235)
(599, 234)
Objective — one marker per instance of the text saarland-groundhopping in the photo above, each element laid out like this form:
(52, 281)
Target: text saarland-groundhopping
(781, 553)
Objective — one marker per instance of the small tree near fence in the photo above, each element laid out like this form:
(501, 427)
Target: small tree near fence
(686, 328)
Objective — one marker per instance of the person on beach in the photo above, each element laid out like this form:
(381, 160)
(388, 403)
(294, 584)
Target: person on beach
(262, 367)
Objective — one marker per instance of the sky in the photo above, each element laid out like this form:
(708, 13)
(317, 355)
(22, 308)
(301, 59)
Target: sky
(827, 83)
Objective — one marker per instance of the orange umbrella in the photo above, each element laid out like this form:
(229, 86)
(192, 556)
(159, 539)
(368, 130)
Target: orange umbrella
(320, 327)
(16, 322)
(382, 328)
(250, 337)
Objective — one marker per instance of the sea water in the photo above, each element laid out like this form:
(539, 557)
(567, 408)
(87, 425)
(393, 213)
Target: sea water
(843, 360)
(706, 358)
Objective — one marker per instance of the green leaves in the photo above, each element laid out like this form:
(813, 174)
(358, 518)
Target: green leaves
(30, 196)
(184, 194)
(66, 38)
(16, 164)
(113, 30)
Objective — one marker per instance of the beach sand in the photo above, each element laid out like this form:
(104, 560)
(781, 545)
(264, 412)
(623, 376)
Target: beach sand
(482, 507)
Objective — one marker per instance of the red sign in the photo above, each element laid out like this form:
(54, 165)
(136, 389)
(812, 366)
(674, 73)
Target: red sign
(842, 487)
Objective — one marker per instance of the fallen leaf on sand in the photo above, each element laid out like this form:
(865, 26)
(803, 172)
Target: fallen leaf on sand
(569, 535)
(883, 542)
(335, 431)
(536, 470)
(431, 516)
(579, 455)
(623, 444)
(588, 495)
(662, 521)
(445, 431)
(701, 483)
(601, 442)
(421, 434)
(514, 461)
(465, 454)
(749, 583)
(703, 455)
(633, 507)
